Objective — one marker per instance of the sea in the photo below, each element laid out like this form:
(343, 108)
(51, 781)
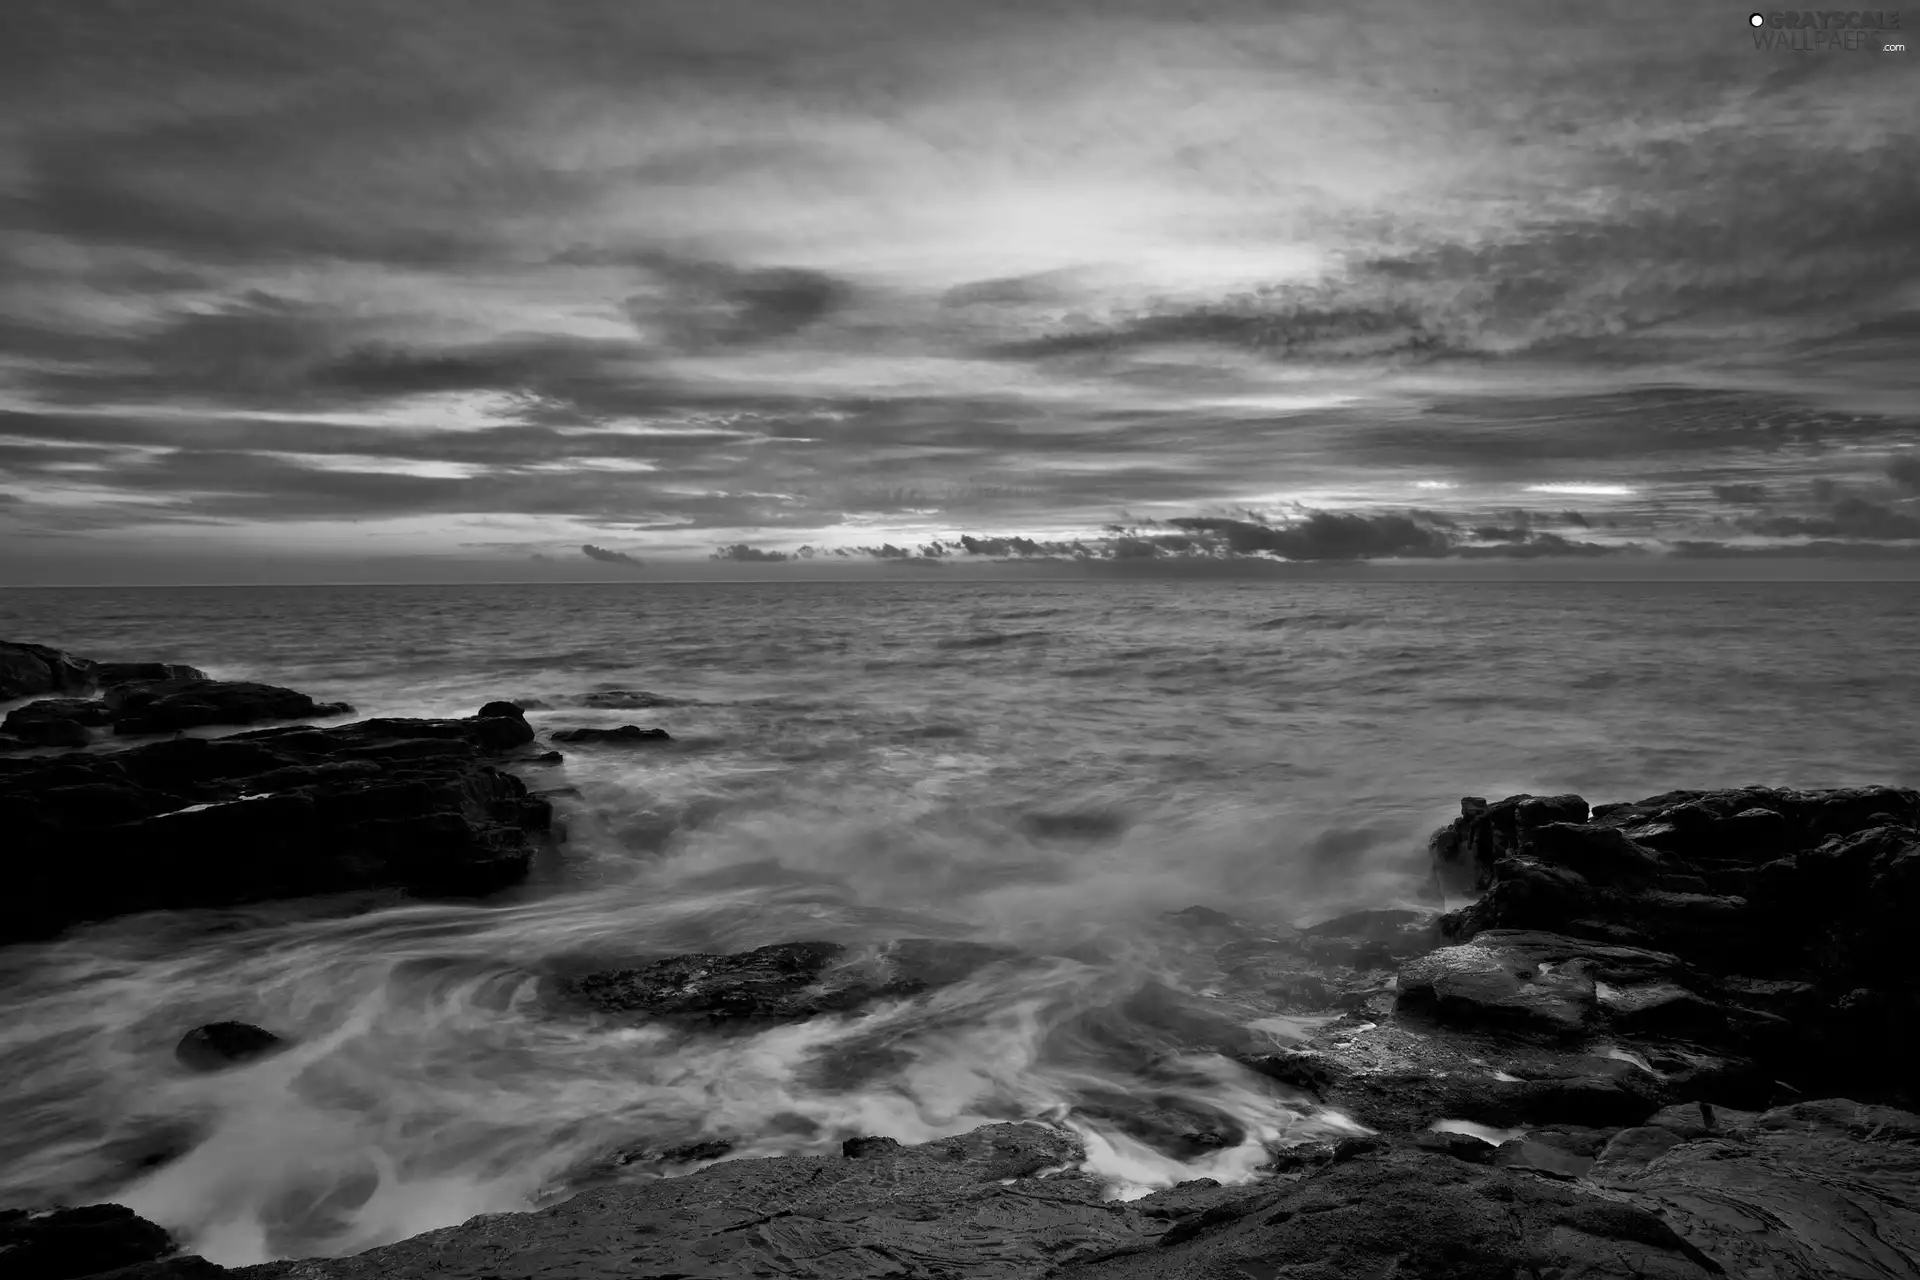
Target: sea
(1048, 767)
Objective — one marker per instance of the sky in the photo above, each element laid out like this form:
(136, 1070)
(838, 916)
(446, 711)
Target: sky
(393, 290)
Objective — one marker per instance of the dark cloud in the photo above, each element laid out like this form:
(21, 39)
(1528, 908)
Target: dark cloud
(701, 306)
(1846, 517)
(1747, 495)
(1904, 471)
(606, 556)
(741, 553)
(1326, 535)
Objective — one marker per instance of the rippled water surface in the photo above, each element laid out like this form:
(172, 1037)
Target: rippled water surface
(1049, 767)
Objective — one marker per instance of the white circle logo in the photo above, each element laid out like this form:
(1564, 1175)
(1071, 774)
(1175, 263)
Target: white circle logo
(1757, 20)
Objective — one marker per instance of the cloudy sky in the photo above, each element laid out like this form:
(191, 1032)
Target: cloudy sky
(456, 288)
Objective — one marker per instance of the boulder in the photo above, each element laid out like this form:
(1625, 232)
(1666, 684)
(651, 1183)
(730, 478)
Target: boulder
(267, 814)
(167, 706)
(1786, 908)
(785, 982)
(219, 1045)
(625, 735)
(56, 722)
(27, 670)
(63, 1243)
(1464, 851)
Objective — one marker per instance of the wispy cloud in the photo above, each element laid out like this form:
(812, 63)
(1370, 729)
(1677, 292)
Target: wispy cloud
(863, 277)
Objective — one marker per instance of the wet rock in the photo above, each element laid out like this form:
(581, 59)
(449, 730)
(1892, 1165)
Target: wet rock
(969, 1206)
(511, 710)
(271, 813)
(1410, 1212)
(864, 1148)
(27, 670)
(627, 700)
(1829, 1188)
(170, 705)
(625, 735)
(56, 722)
(784, 982)
(1463, 852)
(63, 1243)
(1371, 939)
(219, 1045)
(693, 1152)
(1790, 921)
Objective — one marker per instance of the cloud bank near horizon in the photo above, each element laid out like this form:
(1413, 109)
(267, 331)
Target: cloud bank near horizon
(669, 280)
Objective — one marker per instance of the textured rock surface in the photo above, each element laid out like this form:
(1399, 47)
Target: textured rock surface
(408, 804)
(625, 735)
(784, 982)
(969, 1206)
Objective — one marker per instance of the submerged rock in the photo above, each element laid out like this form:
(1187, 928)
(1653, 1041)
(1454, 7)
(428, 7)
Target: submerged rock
(404, 804)
(219, 1045)
(785, 982)
(625, 735)
(171, 705)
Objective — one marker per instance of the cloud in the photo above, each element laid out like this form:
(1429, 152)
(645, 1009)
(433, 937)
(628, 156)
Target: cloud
(1904, 471)
(1325, 535)
(1749, 495)
(606, 556)
(1846, 517)
(741, 553)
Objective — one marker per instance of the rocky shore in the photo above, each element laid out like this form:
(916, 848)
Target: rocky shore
(1670, 1038)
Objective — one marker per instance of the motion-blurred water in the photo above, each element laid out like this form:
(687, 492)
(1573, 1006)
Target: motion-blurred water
(1045, 766)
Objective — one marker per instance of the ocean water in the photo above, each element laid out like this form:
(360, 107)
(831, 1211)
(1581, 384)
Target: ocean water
(1046, 766)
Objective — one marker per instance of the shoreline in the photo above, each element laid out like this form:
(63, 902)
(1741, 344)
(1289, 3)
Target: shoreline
(1614, 1033)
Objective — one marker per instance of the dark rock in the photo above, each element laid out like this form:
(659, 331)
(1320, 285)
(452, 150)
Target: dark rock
(960, 1207)
(1407, 1212)
(785, 982)
(270, 813)
(108, 674)
(27, 670)
(545, 757)
(509, 709)
(628, 700)
(187, 1268)
(1197, 917)
(864, 1148)
(219, 1045)
(625, 735)
(694, 1152)
(65, 1243)
(56, 722)
(1464, 852)
(171, 705)
(1790, 922)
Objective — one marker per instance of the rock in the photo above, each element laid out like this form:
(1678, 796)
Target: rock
(219, 1045)
(1464, 852)
(625, 735)
(1790, 921)
(1407, 1212)
(969, 1206)
(56, 722)
(785, 982)
(510, 710)
(167, 706)
(108, 674)
(271, 813)
(27, 670)
(628, 700)
(65, 1243)
(1827, 1188)
(865, 1148)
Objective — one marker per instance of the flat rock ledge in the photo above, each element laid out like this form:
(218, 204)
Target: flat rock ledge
(415, 805)
(1671, 1039)
(134, 698)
